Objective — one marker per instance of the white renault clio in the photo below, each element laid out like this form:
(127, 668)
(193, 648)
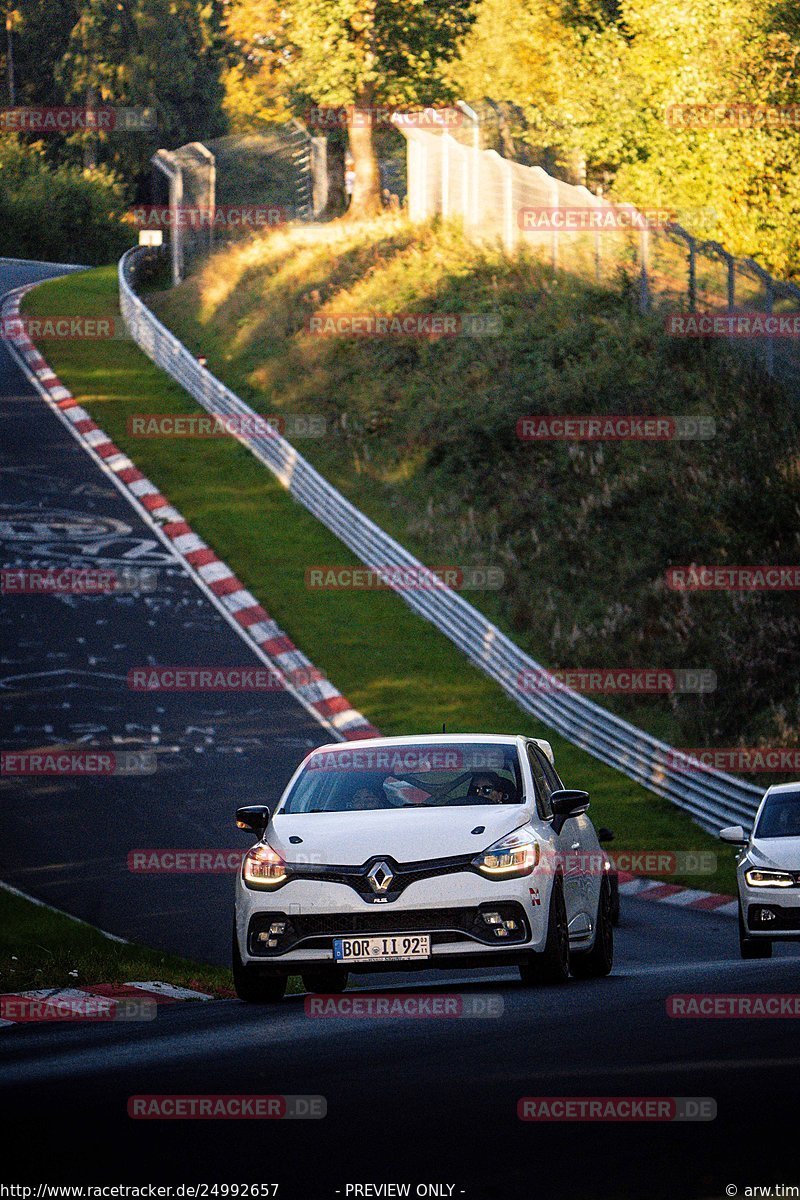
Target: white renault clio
(420, 852)
(768, 872)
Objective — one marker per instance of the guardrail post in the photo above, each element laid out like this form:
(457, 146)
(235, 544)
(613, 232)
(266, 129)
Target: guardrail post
(692, 275)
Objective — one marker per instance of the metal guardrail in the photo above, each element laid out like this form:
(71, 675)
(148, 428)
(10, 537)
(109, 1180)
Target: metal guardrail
(712, 797)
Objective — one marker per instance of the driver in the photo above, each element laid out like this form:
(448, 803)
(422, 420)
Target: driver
(365, 798)
(489, 788)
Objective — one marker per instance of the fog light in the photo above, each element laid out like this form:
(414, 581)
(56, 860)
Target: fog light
(511, 924)
(272, 942)
(278, 927)
(262, 937)
(492, 918)
(501, 931)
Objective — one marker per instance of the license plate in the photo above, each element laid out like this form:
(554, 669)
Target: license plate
(373, 949)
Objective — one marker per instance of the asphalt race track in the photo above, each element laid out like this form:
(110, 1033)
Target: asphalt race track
(408, 1100)
(63, 679)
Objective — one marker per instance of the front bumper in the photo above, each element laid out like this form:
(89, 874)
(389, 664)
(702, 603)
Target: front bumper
(451, 910)
(772, 913)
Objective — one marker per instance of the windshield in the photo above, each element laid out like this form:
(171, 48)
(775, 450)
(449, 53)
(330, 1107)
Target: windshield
(781, 816)
(359, 778)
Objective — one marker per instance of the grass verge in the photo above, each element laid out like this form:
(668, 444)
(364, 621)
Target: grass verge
(40, 948)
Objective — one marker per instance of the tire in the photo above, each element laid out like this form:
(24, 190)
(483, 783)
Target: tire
(250, 985)
(551, 965)
(597, 962)
(331, 980)
(752, 947)
(614, 881)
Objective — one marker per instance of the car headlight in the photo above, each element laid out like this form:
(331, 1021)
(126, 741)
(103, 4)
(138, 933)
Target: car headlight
(263, 867)
(757, 877)
(515, 854)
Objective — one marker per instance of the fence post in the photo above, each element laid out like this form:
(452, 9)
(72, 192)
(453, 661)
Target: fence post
(769, 303)
(466, 190)
(597, 203)
(305, 207)
(692, 274)
(731, 281)
(474, 190)
(166, 162)
(423, 179)
(554, 204)
(319, 175)
(644, 253)
(445, 162)
(204, 154)
(508, 205)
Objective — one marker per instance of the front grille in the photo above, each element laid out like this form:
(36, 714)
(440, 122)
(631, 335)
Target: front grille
(777, 918)
(316, 931)
(403, 874)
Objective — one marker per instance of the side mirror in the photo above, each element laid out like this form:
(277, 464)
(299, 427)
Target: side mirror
(254, 817)
(734, 834)
(605, 835)
(569, 802)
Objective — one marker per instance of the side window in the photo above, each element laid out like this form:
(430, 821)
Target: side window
(550, 773)
(543, 788)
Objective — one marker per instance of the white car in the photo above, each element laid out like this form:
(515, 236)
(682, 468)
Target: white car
(419, 852)
(768, 872)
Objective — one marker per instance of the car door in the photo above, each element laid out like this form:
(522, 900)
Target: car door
(570, 842)
(544, 788)
(586, 859)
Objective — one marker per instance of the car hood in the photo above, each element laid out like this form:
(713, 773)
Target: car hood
(406, 835)
(782, 852)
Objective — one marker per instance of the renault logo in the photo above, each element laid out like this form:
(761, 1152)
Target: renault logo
(380, 877)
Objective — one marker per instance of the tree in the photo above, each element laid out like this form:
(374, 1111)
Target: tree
(363, 55)
(593, 81)
(37, 35)
(255, 79)
(159, 54)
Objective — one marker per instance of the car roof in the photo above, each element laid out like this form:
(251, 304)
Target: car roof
(777, 788)
(437, 739)
(428, 739)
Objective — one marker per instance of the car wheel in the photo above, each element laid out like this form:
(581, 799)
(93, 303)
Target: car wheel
(326, 979)
(614, 881)
(250, 985)
(551, 965)
(597, 962)
(752, 947)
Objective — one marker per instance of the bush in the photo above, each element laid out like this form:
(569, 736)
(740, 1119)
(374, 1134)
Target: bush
(59, 214)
